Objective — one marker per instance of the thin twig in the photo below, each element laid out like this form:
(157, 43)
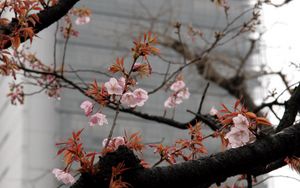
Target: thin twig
(181, 42)
(113, 125)
(65, 49)
(279, 176)
(202, 99)
(118, 106)
(55, 45)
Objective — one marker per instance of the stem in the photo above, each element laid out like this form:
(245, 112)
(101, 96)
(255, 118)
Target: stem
(55, 44)
(113, 125)
(118, 106)
(158, 162)
(65, 49)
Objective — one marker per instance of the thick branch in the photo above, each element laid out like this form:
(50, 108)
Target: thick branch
(47, 17)
(215, 168)
(218, 167)
(292, 107)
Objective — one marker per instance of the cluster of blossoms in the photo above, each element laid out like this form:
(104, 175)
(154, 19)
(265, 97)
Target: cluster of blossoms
(241, 123)
(97, 118)
(132, 99)
(115, 92)
(239, 133)
(180, 92)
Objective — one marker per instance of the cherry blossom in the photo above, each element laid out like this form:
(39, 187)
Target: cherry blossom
(180, 93)
(121, 82)
(129, 99)
(99, 119)
(172, 101)
(178, 85)
(113, 86)
(239, 133)
(63, 176)
(238, 137)
(241, 121)
(87, 106)
(213, 111)
(81, 20)
(136, 98)
(184, 93)
(114, 143)
(141, 96)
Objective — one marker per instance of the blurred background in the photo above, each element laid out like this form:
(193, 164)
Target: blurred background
(29, 132)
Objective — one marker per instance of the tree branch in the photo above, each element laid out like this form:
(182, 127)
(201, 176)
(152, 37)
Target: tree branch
(47, 17)
(292, 107)
(208, 120)
(218, 167)
(207, 170)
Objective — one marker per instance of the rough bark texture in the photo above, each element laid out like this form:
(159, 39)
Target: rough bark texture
(217, 168)
(204, 171)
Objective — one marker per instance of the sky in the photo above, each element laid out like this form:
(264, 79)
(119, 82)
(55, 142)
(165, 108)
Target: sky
(282, 45)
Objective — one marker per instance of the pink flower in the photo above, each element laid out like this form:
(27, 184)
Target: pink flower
(172, 101)
(87, 106)
(121, 82)
(99, 119)
(238, 137)
(241, 122)
(114, 143)
(114, 87)
(213, 111)
(178, 85)
(129, 99)
(136, 98)
(141, 96)
(184, 93)
(63, 176)
(239, 134)
(81, 20)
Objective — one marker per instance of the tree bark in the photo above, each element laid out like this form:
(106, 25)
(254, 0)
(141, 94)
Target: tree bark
(207, 170)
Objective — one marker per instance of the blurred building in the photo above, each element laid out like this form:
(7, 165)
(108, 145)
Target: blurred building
(29, 132)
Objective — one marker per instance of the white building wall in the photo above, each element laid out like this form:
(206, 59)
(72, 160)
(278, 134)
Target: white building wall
(11, 145)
